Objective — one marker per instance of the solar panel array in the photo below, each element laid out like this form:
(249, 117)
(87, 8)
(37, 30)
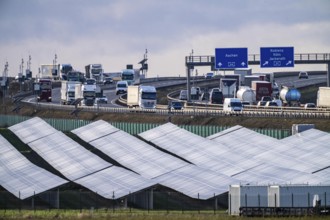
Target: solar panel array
(311, 146)
(195, 166)
(115, 182)
(235, 143)
(71, 159)
(285, 158)
(198, 150)
(32, 129)
(152, 163)
(129, 151)
(21, 177)
(196, 182)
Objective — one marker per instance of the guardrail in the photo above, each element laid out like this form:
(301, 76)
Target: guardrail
(196, 111)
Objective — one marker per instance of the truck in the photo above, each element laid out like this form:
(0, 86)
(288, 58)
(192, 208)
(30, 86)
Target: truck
(75, 76)
(246, 95)
(45, 90)
(323, 97)
(243, 72)
(290, 96)
(89, 94)
(49, 71)
(141, 96)
(132, 76)
(71, 92)
(64, 69)
(228, 87)
(262, 88)
(231, 105)
(94, 71)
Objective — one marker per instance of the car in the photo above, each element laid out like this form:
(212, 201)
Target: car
(309, 105)
(271, 104)
(209, 75)
(183, 95)
(303, 75)
(101, 100)
(175, 105)
(107, 80)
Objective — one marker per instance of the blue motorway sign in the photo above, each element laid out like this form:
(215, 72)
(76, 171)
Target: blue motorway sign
(276, 57)
(231, 58)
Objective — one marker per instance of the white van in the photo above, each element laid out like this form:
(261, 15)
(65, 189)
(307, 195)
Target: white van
(232, 105)
(121, 87)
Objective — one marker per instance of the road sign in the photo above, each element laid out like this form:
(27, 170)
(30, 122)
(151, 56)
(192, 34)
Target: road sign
(231, 58)
(276, 57)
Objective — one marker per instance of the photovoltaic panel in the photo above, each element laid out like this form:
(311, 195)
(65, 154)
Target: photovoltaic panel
(67, 156)
(270, 174)
(196, 182)
(32, 129)
(130, 151)
(21, 177)
(115, 182)
(286, 156)
(95, 130)
(244, 140)
(199, 151)
(311, 146)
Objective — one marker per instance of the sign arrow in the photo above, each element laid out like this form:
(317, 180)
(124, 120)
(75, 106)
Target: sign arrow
(265, 63)
(288, 63)
(219, 64)
(243, 64)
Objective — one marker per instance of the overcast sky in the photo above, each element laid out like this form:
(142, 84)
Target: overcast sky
(117, 32)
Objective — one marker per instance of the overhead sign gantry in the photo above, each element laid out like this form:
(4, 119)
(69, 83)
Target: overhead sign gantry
(231, 58)
(274, 57)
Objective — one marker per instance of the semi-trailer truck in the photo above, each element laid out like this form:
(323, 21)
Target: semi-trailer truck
(144, 97)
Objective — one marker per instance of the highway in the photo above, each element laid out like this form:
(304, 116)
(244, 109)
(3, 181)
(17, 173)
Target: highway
(109, 91)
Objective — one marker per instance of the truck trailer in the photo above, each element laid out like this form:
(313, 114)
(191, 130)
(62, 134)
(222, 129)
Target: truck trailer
(323, 97)
(71, 91)
(262, 88)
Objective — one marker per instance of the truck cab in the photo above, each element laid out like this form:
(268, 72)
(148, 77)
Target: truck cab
(231, 105)
(121, 87)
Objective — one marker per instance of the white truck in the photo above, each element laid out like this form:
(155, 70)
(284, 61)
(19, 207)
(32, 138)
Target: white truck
(323, 97)
(132, 76)
(89, 94)
(94, 71)
(144, 97)
(232, 105)
(71, 91)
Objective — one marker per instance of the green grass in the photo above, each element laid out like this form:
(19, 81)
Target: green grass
(131, 214)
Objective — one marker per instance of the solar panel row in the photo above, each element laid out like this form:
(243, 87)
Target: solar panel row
(21, 177)
(236, 155)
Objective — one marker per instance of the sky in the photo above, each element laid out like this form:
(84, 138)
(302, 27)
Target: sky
(118, 32)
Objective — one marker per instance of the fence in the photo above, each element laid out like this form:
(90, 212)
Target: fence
(135, 128)
(79, 199)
